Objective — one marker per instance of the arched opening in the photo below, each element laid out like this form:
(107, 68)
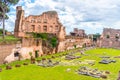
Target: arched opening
(33, 28)
(16, 54)
(56, 28)
(37, 42)
(39, 28)
(51, 28)
(45, 28)
(36, 53)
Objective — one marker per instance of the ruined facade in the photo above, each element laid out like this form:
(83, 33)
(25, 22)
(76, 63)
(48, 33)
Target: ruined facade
(110, 38)
(78, 32)
(48, 22)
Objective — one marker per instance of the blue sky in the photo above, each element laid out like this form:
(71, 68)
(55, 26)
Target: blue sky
(90, 15)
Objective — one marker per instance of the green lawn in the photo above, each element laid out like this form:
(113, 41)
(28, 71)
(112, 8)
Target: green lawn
(8, 39)
(59, 72)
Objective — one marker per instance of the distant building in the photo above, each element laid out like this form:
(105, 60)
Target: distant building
(78, 33)
(110, 38)
(48, 22)
(8, 33)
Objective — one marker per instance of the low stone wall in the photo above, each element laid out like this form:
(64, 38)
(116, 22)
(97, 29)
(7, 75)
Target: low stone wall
(5, 50)
(72, 43)
(108, 43)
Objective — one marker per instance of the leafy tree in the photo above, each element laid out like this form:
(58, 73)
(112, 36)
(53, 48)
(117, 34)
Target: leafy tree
(30, 53)
(54, 42)
(5, 8)
(96, 36)
(75, 46)
(1, 31)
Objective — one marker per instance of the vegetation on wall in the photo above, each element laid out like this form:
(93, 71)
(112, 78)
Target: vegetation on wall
(50, 38)
(54, 42)
(43, 36)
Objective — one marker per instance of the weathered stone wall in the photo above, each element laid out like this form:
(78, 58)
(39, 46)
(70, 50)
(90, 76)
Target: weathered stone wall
(71, 43)
(36, 44)
(47, 22)
(110, 38)
(78, 32)
(28, 45)
(5, 50)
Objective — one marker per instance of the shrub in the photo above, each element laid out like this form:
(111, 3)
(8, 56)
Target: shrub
(17, 65)
(104, 76)
(75, 46)
(30, 53)
(25, 63)
(8, 67)
(0, 69)
(36, 54)
(54, 42)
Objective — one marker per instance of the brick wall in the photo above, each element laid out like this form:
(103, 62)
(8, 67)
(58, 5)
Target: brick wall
(5, 50)
(110, 38)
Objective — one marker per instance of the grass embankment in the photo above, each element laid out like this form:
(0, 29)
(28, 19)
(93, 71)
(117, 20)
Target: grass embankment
(59, 72)
(8, 39)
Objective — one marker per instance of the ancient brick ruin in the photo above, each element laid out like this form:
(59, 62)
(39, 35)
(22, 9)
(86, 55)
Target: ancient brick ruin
(48, 22)
(110, 38)
(78, 32)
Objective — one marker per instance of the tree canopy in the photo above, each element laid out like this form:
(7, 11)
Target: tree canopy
(96, 36)
(1, 31)
(5, 6)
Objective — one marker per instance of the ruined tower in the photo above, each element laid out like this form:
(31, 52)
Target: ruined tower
(18, 31)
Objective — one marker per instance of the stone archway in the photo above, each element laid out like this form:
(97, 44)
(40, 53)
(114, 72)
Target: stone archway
(17, 55)
(36, 53)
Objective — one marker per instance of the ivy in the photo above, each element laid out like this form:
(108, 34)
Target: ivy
(50, 38)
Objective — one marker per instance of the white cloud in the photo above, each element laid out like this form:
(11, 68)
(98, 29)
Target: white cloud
(91, 15)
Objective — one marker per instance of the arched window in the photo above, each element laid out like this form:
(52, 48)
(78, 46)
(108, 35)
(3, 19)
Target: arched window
(117, 36)
(39, 20)
(56, 28)
(33, 28)
(51, 28)
(16, 54)
(39, 28)
(45, 21)
(45, 28)
(32, 20)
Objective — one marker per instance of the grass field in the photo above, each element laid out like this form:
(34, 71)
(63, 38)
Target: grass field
(8, 39)
(59, 72)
